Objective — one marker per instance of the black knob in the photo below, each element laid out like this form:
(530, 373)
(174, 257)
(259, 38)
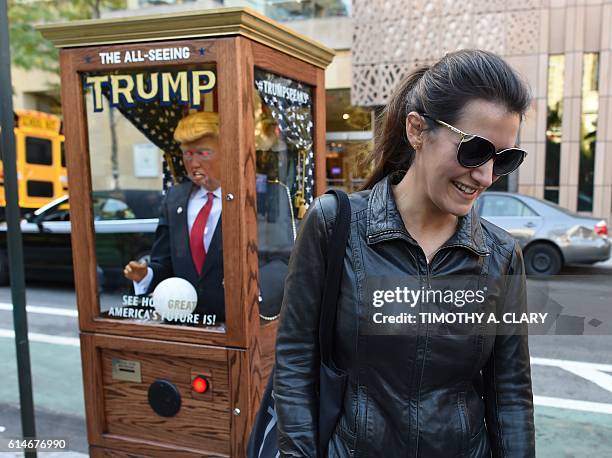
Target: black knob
(164, 398)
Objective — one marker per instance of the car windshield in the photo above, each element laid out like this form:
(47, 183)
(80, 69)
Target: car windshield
(494, 205)
(559, 208)
(126, 204)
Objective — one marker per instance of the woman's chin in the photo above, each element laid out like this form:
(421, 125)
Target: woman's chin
(458, 208)
(463, 211)
(460, 203)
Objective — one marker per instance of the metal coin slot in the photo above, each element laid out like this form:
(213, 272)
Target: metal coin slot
(126, 370)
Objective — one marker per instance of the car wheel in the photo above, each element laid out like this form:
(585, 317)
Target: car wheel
(542, 259)
(4, 269)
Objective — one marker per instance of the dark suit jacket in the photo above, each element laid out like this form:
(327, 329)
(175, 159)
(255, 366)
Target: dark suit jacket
(171, 253)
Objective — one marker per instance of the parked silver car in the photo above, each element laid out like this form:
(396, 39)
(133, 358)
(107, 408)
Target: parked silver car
(549, 235)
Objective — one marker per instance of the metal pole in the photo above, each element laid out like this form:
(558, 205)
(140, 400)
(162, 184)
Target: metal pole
(14, 242)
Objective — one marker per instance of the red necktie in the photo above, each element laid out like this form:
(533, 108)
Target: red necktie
(196, 237)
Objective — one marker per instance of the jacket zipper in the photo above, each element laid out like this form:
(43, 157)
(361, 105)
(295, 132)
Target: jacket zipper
(461, 404)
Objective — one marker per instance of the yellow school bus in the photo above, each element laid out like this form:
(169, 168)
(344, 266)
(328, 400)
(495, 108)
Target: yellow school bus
(41, 163)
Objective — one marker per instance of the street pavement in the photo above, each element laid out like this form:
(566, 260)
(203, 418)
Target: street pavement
(572, 374)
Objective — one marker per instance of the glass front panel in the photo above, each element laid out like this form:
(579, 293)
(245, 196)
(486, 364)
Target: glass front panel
(155, 164)
(284, 141)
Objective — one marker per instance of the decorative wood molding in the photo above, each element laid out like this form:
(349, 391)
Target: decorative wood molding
(189, 24)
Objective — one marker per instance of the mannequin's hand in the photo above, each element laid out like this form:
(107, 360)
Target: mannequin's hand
(135, 271)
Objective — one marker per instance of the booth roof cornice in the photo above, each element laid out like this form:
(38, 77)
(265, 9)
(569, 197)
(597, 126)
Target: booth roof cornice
(185, 25)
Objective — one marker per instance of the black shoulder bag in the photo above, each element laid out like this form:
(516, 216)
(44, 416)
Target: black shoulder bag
(332, 381)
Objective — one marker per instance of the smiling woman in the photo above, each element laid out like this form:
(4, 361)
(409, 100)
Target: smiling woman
(453, 167)
(447, 134)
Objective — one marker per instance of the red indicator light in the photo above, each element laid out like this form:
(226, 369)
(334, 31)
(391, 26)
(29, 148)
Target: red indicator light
(199, 384)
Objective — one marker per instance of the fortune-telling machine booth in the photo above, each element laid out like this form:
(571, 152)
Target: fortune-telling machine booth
(194, 145)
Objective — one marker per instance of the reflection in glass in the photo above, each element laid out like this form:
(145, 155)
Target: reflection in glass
(349, 141)
(284, 177)
(346, 161)
(554, 121)
(155, 167)
(588, 131)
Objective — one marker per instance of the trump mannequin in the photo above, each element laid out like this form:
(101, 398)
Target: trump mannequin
(188, 239)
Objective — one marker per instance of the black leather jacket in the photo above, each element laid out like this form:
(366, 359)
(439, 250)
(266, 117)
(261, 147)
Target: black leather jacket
(408, 395)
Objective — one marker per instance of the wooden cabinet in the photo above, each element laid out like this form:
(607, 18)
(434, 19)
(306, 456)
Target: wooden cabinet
(122, 358)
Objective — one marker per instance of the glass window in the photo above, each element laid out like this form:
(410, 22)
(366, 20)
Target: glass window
(112, 209)
(157, 201)
(554, 118)
(588, 131)
(552, 195)
(59, 213)
(37, 188)
(341, 116)
(38, 151)
(284, 177)
(349, 141)
(495, 206)
(347, 163)
(127, 204)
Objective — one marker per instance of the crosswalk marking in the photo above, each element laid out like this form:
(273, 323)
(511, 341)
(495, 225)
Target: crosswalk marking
(585, 406)
(593, 372)
(43, 338)
(568, 363)
(7, 306)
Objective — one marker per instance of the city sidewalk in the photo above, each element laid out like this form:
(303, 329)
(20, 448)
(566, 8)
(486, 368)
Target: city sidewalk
(45, 454)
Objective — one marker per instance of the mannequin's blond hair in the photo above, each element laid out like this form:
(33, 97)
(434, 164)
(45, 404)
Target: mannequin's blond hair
(197, 125)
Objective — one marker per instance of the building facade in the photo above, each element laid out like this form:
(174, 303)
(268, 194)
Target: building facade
(562, 48)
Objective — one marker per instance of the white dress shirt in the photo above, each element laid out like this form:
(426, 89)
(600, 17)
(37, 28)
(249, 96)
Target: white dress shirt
(197, 199)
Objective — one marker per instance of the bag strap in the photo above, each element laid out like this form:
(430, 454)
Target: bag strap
(335, 263)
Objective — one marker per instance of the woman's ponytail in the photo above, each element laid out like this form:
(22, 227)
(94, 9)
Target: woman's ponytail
(391, 148)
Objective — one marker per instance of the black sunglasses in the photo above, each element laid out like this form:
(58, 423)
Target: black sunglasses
(474, 151)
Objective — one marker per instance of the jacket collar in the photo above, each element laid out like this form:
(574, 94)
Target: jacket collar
(385, 222)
